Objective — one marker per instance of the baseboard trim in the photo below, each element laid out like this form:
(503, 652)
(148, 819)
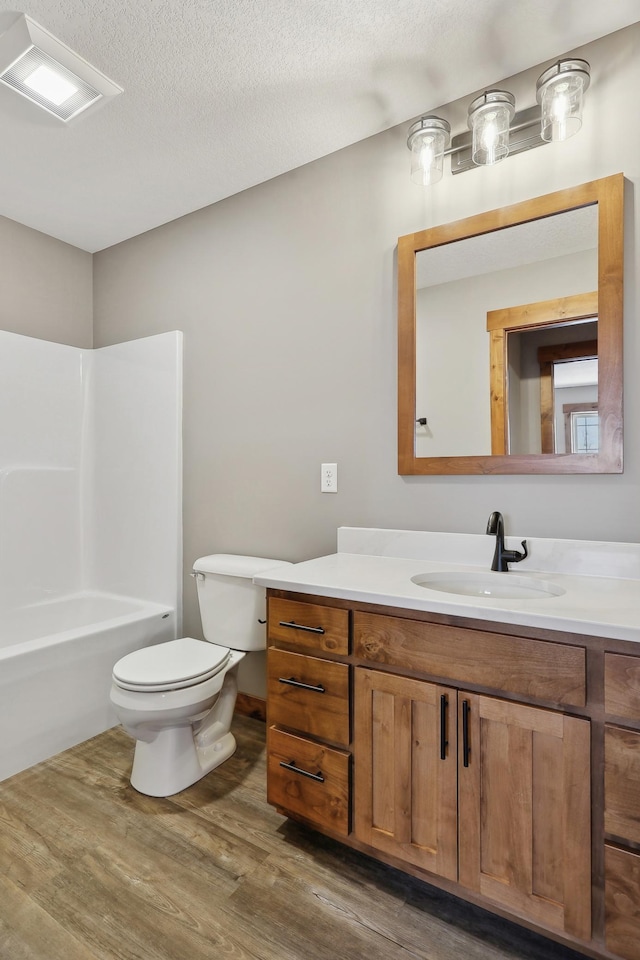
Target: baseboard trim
(250, 706)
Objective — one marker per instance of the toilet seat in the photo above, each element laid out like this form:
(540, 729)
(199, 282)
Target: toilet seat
(173, 665)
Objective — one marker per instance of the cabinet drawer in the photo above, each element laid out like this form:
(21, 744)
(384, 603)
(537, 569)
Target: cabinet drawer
(622, 902)
(622, 685)
(308, 694)
(532, 668)
(309, 779)
(622, 783)
(309, 626)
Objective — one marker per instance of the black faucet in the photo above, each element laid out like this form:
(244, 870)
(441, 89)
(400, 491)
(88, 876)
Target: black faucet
(501, 557)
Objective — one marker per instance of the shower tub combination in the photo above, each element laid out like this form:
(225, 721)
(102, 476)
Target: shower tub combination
(90, 530)
(56, 660)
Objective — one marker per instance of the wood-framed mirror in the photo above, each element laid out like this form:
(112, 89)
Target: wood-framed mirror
(486, 301)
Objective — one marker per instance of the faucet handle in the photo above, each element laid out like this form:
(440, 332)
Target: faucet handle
(514, 556)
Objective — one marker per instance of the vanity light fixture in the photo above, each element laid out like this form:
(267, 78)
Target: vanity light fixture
(44, 70)
(496, 130)
(428, 139)
(490, 117)
(559, 92)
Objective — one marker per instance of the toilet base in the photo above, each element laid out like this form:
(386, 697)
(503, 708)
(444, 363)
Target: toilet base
(172, 761)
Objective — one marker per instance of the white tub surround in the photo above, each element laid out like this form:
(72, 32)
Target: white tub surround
(90, 530)
(134, 470)
(600, 581)
(90, 470)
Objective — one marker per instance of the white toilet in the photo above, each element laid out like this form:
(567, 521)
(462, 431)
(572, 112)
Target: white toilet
(176, 699)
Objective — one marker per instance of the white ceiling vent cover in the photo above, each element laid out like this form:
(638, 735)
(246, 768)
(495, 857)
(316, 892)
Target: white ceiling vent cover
(44, 70)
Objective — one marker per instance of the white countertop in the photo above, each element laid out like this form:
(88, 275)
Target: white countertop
(601, 581)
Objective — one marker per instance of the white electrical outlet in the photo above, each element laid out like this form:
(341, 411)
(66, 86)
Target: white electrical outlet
(329, 478)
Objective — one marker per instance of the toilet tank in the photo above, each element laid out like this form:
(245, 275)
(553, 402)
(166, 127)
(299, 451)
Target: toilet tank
(233, 609)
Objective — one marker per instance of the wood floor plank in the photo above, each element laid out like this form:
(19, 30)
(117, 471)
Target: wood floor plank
(27, 932)
(306, 921)
(373, 902)
(71, 832)
(126, 914)
(368, 909)
(400, 905)
(150, 827)
(92, 870)
(25, 855)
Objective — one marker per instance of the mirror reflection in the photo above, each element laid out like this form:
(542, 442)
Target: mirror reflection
(501, 278)
(510, 338)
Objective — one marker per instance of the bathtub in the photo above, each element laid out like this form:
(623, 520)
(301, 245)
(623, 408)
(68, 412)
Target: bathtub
(55, 670)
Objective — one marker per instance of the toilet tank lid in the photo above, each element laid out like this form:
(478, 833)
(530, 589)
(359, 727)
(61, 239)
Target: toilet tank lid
(234, 565)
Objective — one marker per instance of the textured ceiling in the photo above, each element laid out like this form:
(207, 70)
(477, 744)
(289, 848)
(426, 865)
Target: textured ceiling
(547, 239)
(223, 94)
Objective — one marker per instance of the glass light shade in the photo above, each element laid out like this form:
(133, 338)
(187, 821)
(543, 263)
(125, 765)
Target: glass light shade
(489, 119)
(428, 139)
(559, 92)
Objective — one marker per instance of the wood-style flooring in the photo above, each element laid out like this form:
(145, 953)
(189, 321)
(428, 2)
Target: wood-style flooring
(92, 870)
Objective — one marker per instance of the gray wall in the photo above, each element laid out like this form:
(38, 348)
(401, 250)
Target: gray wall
(46, 286)
(286, 295)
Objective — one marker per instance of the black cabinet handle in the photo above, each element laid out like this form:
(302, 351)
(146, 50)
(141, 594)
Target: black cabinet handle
(304, 773)
(317, 688)
(300, 626)
(444, 743)
(466, 747)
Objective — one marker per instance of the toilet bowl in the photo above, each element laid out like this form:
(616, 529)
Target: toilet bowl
(176, 699)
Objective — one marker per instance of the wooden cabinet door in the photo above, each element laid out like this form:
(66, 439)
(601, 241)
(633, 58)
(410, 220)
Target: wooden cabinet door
(405, 769)
(524, 810)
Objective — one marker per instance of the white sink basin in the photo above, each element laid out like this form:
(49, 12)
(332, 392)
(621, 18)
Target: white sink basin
(498, 586)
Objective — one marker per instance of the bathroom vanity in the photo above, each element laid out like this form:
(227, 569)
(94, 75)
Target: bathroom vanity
(486, 743)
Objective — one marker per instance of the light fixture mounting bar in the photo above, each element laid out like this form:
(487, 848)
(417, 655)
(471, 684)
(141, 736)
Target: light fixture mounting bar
(524, 134)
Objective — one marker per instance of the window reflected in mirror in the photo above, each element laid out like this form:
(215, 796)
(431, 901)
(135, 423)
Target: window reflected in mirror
(569, 395)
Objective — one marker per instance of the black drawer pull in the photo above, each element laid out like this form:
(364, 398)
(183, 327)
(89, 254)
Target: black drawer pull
(317, 688)
(466, 746)
(444, 743)
(299, 626)
(305, 773)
